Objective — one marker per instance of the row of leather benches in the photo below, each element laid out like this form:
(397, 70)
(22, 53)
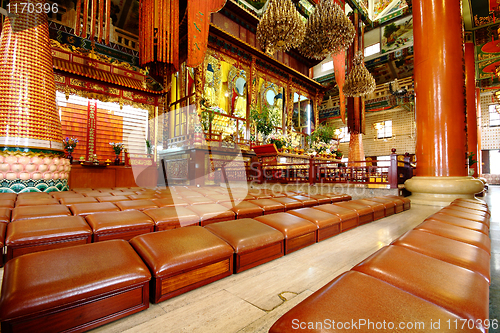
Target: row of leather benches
(433, 278)
(50, 290)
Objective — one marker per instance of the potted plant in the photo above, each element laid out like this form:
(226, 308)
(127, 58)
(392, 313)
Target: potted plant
(263, 119)
(69, 145)
(324, 133)
(470, 162)
(117, 147)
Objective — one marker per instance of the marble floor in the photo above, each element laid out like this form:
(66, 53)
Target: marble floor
(492, 197)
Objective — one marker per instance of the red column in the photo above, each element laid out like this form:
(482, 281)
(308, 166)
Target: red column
(478, 113)
(439, 87)
(470, 87)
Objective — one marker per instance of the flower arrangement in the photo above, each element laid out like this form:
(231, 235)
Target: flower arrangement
(278, 139)
(264, 120)
(324, 133)
(117, 147)
(70, 144)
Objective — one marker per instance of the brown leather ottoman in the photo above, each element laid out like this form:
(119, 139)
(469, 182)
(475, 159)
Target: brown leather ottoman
(328, 224)
(349, 218)
(277, 194)
(36, 202)
(70, 201)
(212, 213)
(112, 198)
(170, 202)
(389, 204)
(28, 236)
(135, 204)
(378, 207)
(364, 212)
(8, 196)
(124, 193)
(446, 249)
(406, 201)
(85, 209)
(465, 204)
(244, 209)
(459, 290)
(306, 201)
(183, 259)
(458, 221)
(459, 210)
(260, 195)
(33, 195)
(198, 200)
(468, 216)
(269, 206)
(289, 203)
(119, 225)
(3, 230)
(360, 303)
(74, 289)
(5, 215)
(167, 218)
(148, 196)
(461, 234)
(36, 212)
(475, 201)
(254, 243)
(7, 203)
(322, 199)
(66, 194)
(218, 198)
(96, 194)
(298, 232)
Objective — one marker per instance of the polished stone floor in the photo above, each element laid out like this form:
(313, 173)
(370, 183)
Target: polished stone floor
(493, 200)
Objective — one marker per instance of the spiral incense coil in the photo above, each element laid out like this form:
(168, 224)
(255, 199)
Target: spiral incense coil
(359, 81)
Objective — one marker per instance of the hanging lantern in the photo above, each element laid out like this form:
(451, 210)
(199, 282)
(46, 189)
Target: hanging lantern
(281, 27)
(359, 81)
(328, 31)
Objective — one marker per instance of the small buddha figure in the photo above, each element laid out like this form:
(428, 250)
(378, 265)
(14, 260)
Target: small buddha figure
(209, 93)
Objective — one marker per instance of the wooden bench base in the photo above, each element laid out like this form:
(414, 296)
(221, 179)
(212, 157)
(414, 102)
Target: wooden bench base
(250, 259)
(300, 242)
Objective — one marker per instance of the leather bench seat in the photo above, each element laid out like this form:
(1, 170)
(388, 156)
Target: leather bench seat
(389, 205)
(5, 214)
(459, 290)
(244, 209)
(66, 194)
(34, 195)
(378, 207)
(8, 196)
(84, 209)
(275, 194)
(322, 199)
(298, 232)
(472, 237)
(306, 201)
(465, 215)
(289, 203)
(148, 196)
(475, 201)
(364, 212)
(122, 193)
(104, 189)
(328, 224)
(167, 218)
(270, 206)
(119, 225)
(254, 243)
(81, 189)
(446, 249)
(482, 215)
(334, 197)
(3, 230)
(472, 206)
(112, 198)
(354, 297)
(191, 194)
(7, 203)
(136, 204)
(34, 235)
(211, 213)
(219, 198)
(349, 218)
(36, 201)
(257, 195)
(170, 202)
(34, 212)
(74, 289)
(71, 200)
(183, 259)
(198, 200)
(464, 223)
(96, 194)
(406, 201)
(399, 203)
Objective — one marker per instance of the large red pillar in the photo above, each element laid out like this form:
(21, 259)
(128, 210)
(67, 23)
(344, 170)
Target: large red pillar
(440, 109)
(471, 98)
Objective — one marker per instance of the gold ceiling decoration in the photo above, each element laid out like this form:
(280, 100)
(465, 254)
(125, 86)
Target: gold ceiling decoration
(359, 81)
(281, 27)
(328, 31)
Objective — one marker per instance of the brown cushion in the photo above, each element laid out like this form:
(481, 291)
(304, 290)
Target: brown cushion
(218, 198)
(70, 201)
(269, 206)
(357, 298)
(452, 287)
(122, 193)
(84, 209)
(172, 217)
(277, 194)
(33, 195)
(67, 275)
(244, 209)
(472, 206)
(446, 249)
(148, 196)
(245, 234)
(136, 204)
(320, 218)
(210, 213)
(306, 201)
(458, 209)
(170, 202)
(8, 196)
(360, 208)
(96, 194)
(341, 212)
(468, 216)
(191, 194)
(389, 205)
(5, 214)
(406, 201)
(36, 201)
(474, 201)
(322, 199)
(290, 225)
(289, 203)
(104, 189)
(475, 238)
(112, 198)
(376, 206)
(81, 189)
(477, 226)
(3, 230)
(172, 251)
(198, 200)
(119, 222)
(6, 203)
(261, 195)
(66, 194)
(34, 212)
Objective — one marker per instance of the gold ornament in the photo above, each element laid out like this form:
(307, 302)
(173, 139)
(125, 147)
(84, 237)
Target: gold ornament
(280, 27)
(359, 81)
(328, 31)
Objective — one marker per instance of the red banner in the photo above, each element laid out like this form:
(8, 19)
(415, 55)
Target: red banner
(91, 130)
(339, 68)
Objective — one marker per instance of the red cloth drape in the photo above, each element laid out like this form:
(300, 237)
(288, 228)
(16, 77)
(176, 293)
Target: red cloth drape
(339, 68)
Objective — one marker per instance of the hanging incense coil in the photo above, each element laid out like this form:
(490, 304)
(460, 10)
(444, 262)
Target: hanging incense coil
(328, 31)
(359, 81)
(281, 27)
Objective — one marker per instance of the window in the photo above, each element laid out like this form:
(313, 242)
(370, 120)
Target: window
(384, 129)
(344, 135)
(494, 115)
(372, 49)
(327, 66)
